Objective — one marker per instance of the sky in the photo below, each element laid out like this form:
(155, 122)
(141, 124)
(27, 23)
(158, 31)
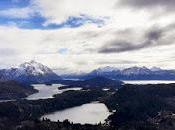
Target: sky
(81, 35)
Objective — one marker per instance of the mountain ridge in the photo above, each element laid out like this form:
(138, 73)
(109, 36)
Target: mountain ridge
(134, 73)
(34, 72)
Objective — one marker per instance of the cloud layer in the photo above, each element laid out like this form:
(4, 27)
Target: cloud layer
(168, 4)
(74, 36)
(151, 38)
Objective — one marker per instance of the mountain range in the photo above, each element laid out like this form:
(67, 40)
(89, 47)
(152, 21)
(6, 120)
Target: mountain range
(133, 73)
(34, 72)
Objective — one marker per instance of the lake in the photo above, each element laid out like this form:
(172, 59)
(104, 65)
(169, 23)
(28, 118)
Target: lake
(47, 91)
(91, 113)
(148, 81)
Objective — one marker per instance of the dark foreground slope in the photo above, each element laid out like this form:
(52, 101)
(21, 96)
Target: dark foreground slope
(14, 114)
(138, 107)
(143, 107)
(13, 90)
(66, 125)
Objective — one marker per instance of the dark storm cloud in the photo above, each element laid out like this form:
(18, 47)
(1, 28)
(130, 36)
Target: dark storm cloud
(122, 46)
(154, 34)
(150, 39)
(168, 4)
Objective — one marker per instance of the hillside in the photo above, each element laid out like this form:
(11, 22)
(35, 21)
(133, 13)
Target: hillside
(12, 90)
(95, 82)
(148, 107)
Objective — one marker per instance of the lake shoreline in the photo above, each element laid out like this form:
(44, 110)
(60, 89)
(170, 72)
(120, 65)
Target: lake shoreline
(92, 111)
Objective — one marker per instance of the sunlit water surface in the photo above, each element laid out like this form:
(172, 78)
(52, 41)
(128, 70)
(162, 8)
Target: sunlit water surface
(148, 81)
(47, 91)
(91, 113)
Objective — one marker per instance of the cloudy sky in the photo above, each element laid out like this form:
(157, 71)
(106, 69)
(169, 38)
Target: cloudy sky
(81, 35)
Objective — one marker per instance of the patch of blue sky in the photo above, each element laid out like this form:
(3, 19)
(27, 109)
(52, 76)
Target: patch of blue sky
(81, 20)
(33, 22)
(38, 22)
(7, 4)
(63, 50)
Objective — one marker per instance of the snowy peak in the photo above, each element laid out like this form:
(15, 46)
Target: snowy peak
(155, 69)
(127, 71)
(34, 68)
(29, 72)
(101, 71)
(107, 69)
(136, 71)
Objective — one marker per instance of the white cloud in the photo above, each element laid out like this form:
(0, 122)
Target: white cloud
(43, 46)
(59, 10)
(83, 43)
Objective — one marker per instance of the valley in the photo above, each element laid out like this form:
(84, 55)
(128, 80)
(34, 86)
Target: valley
(87, 64)
(97, 103)
(136, 107)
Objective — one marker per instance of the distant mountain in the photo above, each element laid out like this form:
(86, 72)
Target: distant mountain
(136, 71)
(133, 73)
(29, 72)
(154, 69)
(34, 72)
(12, 90)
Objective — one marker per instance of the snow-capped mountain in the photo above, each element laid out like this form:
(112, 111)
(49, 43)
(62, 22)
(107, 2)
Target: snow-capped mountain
(108, 69)
(34, 68)
(134, 73)
(105, 71)
(29, 72)
(156, 69)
